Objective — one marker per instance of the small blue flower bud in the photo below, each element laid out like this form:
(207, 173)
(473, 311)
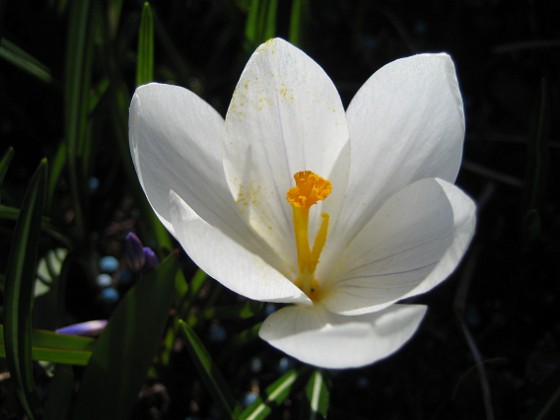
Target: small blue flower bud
(150, 258)
(134, 252)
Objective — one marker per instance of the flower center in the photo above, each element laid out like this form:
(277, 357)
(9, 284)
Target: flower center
(310, 188)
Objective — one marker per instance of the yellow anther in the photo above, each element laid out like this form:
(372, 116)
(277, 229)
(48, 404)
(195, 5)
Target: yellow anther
(310, 188)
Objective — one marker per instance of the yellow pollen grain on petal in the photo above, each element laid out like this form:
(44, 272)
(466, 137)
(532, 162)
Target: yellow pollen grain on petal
(310, 188)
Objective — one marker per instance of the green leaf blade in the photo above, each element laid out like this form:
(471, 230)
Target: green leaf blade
(209, 372)
(126, 348)
(275, 395)
(24, 61)
(145, 61)
(79, 55)
(48, 346)
(18, 290)
(318, 395)
(5, 163)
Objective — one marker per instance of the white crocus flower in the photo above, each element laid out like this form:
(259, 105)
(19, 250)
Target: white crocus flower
(293, 200)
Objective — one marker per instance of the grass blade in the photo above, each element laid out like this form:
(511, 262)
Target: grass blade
(126, 348)
(5, 163)
(261, 23)
(51, 347)
(24, 61)
(298, 21)
(76, 103)
(251, 27)
(145, 60)
(269, 29)
(12, 213)
(57, 166)
(317, 394)
(275, 395)
(209, 373)
(18, 290)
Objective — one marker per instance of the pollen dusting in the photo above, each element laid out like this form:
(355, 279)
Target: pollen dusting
(285, 93)
(248, 196)
(262, 102)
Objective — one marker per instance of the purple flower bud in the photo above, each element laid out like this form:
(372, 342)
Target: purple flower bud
(134, 252)
(151, 259)
(90, 328)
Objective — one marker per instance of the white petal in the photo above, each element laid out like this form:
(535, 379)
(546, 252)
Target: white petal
(406, 123)
(228, 262)
(176, 144)
(464, 222)
(285, 116)
(176, 141)
(412, 243)
(318, 337)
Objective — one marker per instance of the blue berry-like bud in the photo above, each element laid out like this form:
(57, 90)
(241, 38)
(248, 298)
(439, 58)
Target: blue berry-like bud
(150, 259)
(108, 264)
(134, 252)
(109, 295)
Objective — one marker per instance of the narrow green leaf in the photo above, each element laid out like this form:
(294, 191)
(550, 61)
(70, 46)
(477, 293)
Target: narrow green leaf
(209, 372)
(274, 396)
(5, 163)
(317, 394)
(195, 284)
(76, 102)
(24, 61)
(145, 60)
(51, 347)
(261, 22)
(298, 21)
(114, 12)
(53, 340)
(18, 290)
(126, 348)
(12, 213)
(251, 28)
(269, 30)
(57, 166)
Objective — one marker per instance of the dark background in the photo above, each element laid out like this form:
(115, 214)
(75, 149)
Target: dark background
(505, 295)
